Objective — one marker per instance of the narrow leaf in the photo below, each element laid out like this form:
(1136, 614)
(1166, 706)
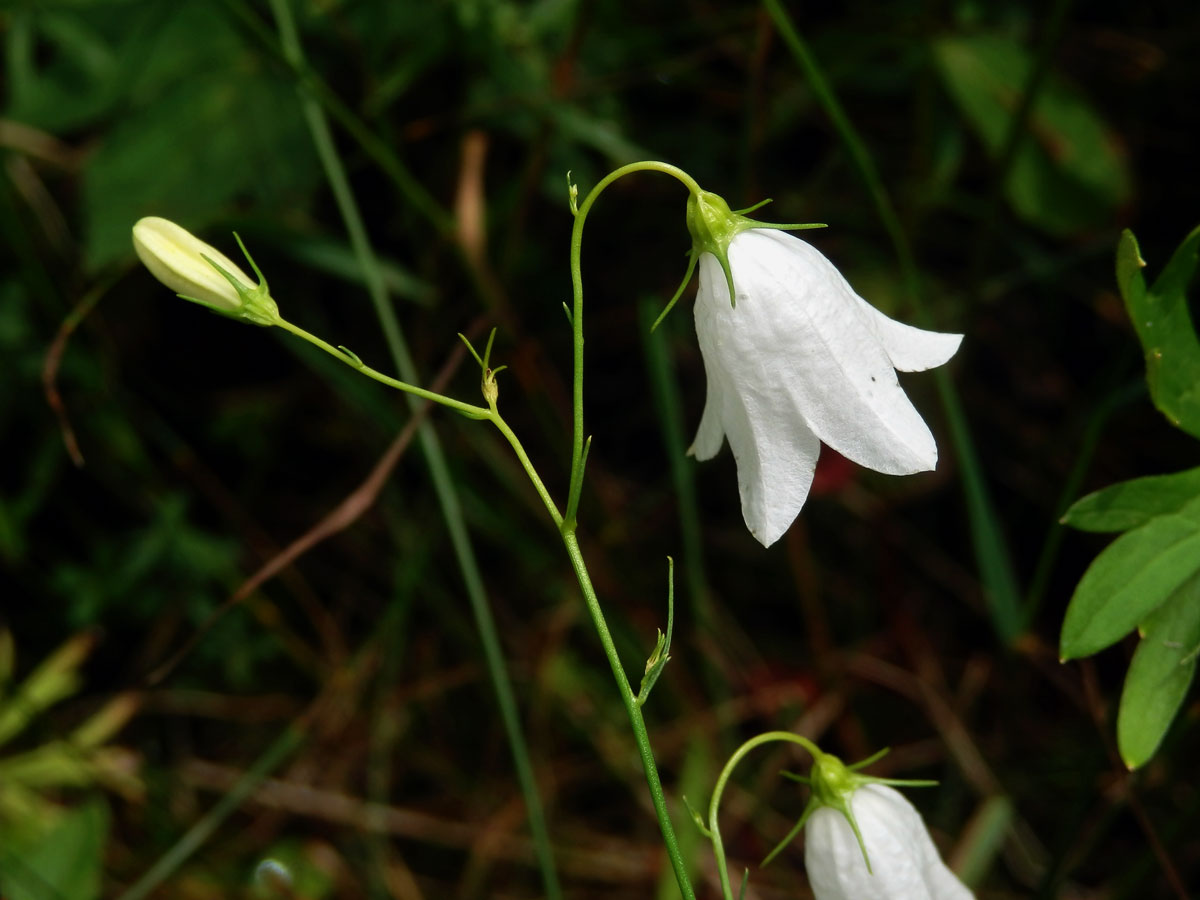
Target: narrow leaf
(1134, 575)
(1068, 174)
(1159, 675)
(1132, 504)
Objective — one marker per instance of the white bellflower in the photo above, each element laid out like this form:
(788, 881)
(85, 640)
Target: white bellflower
(904, 863)
(798, 359)
(864, 841)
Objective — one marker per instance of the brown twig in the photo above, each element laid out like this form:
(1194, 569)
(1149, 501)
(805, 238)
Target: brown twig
(53, 359)
(339, 518)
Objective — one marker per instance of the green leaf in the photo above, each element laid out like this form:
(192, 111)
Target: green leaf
(1159, 675)
(1131, 504)
(64, 862)
(1134, 575)
(205, 125)
(1164, 327)
(1068, 174)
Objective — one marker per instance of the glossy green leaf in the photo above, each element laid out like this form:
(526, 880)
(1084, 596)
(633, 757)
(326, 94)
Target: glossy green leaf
(1068, 174)
(1134, 575)
(1131, 504)
(1159, 675)
(1165, 328)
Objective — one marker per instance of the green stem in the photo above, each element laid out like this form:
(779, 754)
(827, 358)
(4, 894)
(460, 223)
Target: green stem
(372, 145)
(467, 409)
(991, 551)
(636, 722)
(285, 745)
(439, 472)
(567, 524)
(714, 826)
(523, 459)
(577, 449)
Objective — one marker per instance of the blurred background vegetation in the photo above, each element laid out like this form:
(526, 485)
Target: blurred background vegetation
(173, 726)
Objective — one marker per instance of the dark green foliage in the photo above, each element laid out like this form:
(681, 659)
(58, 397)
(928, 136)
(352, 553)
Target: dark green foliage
(208, 448)
(1149, 578)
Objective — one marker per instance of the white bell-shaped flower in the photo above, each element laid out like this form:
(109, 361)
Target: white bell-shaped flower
(798, 359)
(904, 863)
(201, 273)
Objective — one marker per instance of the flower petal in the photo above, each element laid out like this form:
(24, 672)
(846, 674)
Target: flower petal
(776, 457)
(711, 433)
(776, 451)
(798, 324)
(175, 257)
(910, 349)
(904, 861)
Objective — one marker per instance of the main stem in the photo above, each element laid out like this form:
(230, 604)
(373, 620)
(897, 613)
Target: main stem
(636, 722)
(568, 525)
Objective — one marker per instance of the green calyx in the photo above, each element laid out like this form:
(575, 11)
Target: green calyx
(257, 306)
(713, 225)
(833, 783)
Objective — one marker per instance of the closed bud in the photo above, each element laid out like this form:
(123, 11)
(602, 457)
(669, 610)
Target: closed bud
(199, 272)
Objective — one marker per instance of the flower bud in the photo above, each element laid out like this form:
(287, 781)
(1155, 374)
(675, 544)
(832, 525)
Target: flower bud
(199, 272)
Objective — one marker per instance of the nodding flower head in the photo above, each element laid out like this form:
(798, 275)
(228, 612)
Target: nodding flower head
(799, 360)
(864, 840)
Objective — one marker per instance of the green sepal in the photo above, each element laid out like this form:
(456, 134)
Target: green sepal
(258, 308)
(693, 258)
(812, 806)
(833, 783)
(713, 225)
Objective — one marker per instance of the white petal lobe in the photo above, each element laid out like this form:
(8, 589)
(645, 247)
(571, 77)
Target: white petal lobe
(799, 360)
(910, 349)
(905, 864)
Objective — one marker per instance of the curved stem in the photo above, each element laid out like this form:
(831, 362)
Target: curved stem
(713, 825)
(475, 412)
(509, 435)
(566, 523)
(577, 452)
